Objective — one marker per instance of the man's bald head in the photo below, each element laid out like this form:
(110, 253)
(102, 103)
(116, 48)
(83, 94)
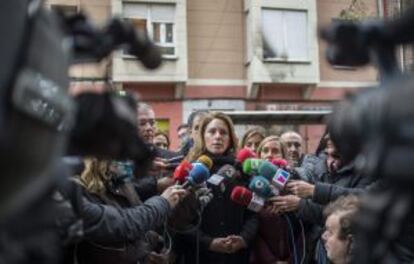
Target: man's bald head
(293, 143)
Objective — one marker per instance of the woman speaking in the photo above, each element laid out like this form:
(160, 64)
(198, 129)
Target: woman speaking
(226, 229)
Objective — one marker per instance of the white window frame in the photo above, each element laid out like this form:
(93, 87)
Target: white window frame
(149, 27)
(288, 60)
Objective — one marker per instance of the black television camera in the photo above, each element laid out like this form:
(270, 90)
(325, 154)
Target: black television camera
(375, 127)
(39, 120)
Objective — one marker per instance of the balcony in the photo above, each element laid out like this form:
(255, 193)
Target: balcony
(281, 44)
(165, 21)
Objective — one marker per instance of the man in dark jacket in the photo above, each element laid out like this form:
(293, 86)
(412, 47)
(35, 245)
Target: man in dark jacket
(308, 199)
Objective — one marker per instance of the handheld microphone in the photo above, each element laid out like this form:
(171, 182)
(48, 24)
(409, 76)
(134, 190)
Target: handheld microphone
(198, 175)
(245, 154)
(251, 166)
(275, 175)
(224, 174)
(245, 197)
(206, 160)
(261, 186)
(182, 171)
(281, 163)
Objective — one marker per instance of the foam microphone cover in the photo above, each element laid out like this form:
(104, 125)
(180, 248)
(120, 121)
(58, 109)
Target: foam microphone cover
(281, 163)
(198, 174)
(245, 154)
(261, 186)
(241, 195)
(267, 170)
(204, 159)
(182, 171)
(251, 166)
(228, 171)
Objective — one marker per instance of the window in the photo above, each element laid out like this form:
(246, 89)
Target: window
(285, 35)
(157, 20)
(67, 10)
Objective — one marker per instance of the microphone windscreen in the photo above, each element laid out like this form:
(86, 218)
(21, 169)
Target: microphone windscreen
(182, 171)
(261, 186)
(228, 172)
(204, 159)
(267, 170)
(251, 166)
(245, 154)
(241, 195)
(281, 163)
(198, 174)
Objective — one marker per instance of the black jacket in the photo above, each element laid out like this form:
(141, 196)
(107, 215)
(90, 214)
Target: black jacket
(221, 218)
(115, 225)
(311, 211)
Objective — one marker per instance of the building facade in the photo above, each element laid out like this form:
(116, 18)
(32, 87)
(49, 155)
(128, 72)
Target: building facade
(233, 55)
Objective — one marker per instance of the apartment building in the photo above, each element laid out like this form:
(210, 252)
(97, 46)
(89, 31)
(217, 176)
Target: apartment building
(233, 55)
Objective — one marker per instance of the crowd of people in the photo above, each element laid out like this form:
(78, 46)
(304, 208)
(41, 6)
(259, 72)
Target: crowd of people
(309, 220)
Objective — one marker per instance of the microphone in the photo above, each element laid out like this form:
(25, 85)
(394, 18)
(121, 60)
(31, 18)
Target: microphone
(198, 175)
(245, 197)
(206, 160)
(277, 176)
(182, 171)
(281, 163)
(245, 154)
(251, 166)
(224, 174)
(261, 186)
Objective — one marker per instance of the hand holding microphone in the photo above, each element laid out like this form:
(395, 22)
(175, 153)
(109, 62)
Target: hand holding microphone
(174, 194)
(301, 188)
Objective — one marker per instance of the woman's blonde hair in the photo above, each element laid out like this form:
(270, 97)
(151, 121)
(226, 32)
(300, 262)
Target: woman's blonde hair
(256, 130)
(95, 175)
(270, 139)
(199, 147)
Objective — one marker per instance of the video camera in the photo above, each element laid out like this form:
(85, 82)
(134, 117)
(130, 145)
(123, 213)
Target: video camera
(375, 129)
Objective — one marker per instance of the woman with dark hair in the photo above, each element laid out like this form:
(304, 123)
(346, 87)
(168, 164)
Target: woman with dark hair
(252, 138)
(161, 140)
(226, 229)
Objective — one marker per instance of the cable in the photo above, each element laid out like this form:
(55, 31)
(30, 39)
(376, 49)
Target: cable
(292, 238)
(304, 241)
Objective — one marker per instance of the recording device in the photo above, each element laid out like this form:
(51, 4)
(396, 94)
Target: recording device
(37, 116)
(251, 166)
(275, 175)
(198, 175)
(245, 154)
(378, 122)
(184, 169)
(281, 163)
(224, 176)
(245, 197)
(262, 187)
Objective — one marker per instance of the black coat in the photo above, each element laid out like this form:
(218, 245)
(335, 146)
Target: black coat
(116, 224)
(221, 218)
